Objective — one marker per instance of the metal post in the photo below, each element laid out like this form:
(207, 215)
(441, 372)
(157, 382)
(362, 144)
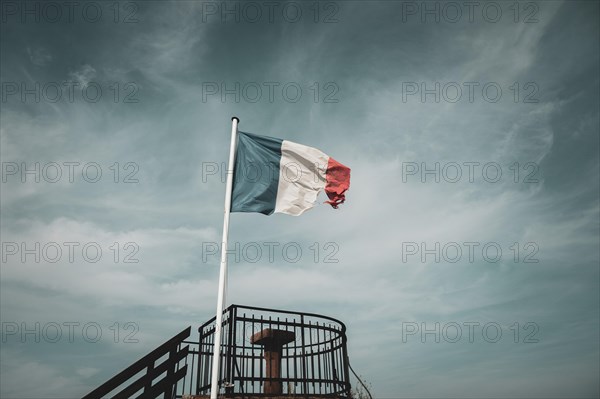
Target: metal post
(214, 390)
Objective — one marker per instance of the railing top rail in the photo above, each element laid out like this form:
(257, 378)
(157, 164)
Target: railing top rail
(234, 306)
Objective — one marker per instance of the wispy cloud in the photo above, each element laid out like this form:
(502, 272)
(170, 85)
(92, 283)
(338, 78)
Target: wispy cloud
(173, 207)
(39, 56)
(84, 75)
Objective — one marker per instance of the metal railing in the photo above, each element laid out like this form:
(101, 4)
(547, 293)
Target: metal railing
(159, 376)
(264, 352)
(267, 352)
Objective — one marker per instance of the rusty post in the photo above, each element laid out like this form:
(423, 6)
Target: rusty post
(273, 341)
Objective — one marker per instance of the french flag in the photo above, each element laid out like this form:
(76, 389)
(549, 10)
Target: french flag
(275, 175)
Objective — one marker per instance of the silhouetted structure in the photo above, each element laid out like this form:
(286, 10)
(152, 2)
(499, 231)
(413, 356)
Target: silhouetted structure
(264, 353)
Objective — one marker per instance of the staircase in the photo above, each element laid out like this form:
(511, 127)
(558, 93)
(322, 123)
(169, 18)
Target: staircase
(157, 379)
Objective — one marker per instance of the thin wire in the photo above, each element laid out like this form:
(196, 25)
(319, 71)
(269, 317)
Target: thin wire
(359, 380)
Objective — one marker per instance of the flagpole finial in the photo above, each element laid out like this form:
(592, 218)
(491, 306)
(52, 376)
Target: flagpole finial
(236, 118)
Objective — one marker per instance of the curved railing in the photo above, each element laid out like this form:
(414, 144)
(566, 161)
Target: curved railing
(268, 352)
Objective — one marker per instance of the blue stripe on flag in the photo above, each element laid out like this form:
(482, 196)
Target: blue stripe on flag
(256, 174)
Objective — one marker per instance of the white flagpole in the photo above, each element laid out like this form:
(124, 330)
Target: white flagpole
(214, 389)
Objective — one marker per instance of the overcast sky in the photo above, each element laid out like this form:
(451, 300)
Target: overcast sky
(473, 142)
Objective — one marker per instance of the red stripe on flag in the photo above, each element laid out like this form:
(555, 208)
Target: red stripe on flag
(338, 181)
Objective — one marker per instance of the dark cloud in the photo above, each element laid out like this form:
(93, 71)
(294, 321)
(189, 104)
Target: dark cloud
(375, 87)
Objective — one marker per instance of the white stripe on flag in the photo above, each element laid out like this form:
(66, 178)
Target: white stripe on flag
(302, 171)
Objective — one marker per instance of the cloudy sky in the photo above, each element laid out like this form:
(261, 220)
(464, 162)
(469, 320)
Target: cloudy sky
(472, 133)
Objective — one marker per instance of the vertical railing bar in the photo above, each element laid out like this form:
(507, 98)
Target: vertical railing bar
(319, 360)
(207, 362)
(200, 381)
(270, 371)
(295, 366)
(185, 376)
(201, 359)
(210, 358)
(254, 360)
(312, 356)
(281, 354)
(223, 355)
(227, 351)
(234, 349)
(339, 387)
(244, 371)
(196, 358)
(326, 364)
(192, 374)
(194, 370)
(304, 370)
(338, 358)
(287, 361)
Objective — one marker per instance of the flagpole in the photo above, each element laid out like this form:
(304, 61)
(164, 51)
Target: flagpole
(214, 389)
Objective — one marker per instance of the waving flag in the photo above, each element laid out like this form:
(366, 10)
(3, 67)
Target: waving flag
(275, 175)
(269, 175)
